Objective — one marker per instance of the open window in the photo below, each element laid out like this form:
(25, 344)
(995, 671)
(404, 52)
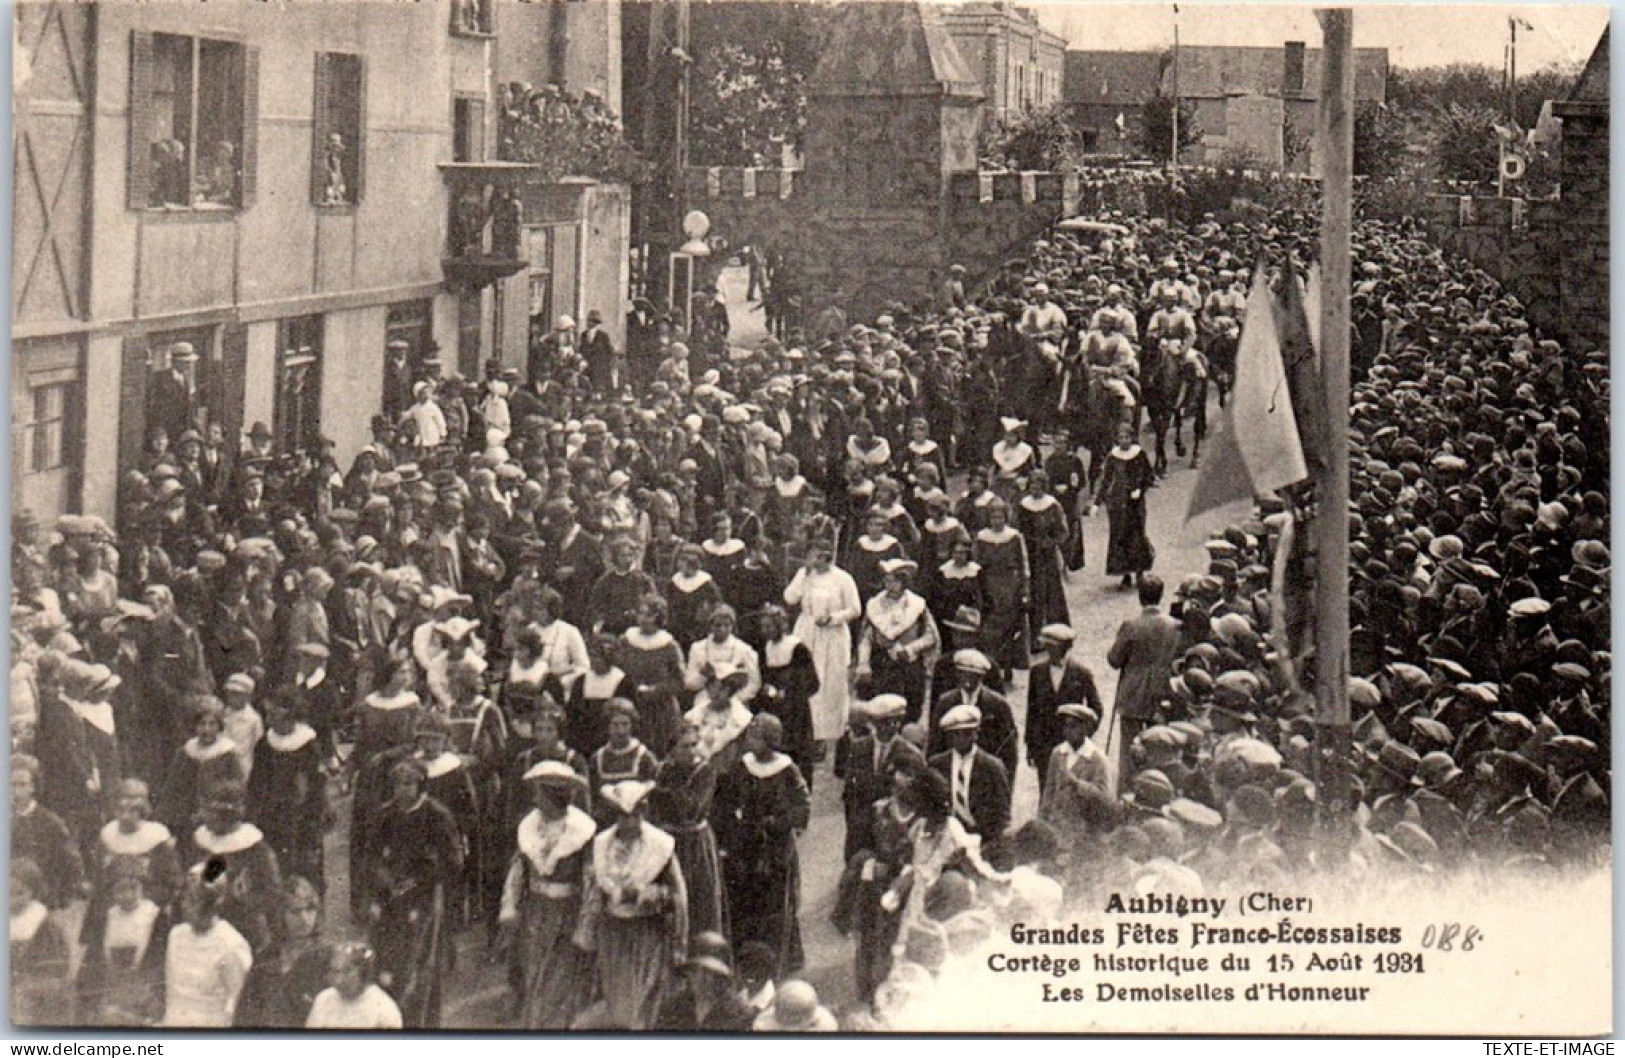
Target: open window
(194, 116)
(471, 18)
(338, 143)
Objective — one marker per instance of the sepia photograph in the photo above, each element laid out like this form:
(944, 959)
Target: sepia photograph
(810, 516)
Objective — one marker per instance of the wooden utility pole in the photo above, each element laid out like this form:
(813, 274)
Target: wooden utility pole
(1173, 150)
(1336, 131)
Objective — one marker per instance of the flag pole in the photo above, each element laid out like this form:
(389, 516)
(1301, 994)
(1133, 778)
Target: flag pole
(1332, 488)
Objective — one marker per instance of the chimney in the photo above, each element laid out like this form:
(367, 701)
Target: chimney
(1292, 59)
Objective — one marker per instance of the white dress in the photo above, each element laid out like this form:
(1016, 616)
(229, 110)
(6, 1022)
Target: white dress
(203, 975)
(371, 1011)
(832, 594)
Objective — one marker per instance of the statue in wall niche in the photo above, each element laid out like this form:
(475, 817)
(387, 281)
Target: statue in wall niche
(468, 220)
(334, 191)
(507, 225)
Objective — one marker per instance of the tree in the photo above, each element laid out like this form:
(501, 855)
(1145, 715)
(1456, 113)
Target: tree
(1379, 140)
(1034, 139)
(748, 84)
(1464, 144)
(1156, 126)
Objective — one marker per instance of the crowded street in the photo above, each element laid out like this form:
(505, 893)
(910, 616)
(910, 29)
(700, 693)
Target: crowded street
(733, 632)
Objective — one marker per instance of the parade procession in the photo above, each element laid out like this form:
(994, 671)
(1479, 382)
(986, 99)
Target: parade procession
(482, 562)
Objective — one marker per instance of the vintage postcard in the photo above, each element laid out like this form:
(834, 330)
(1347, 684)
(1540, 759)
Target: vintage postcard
(878, 517)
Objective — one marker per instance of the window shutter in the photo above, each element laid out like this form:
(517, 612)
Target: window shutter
(360, 146)
(139, 181)
(476, 130)
(251, 124)
(233, 380)
(132, 412)
(319, 127)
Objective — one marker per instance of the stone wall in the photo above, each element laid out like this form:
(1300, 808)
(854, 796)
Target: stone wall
(1517, 242)
(877, 252)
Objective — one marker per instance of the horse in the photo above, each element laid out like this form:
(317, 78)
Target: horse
(1221, 354)
(1194, 374)
(1162, 378)
(1030, 378)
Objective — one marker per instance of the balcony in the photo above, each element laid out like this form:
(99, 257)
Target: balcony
(485, 222)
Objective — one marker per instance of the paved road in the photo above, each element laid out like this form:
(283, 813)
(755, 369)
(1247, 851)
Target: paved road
(478, 992)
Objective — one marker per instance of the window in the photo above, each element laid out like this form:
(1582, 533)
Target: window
(193, 122)
(339, 129)
(46, 435)
(471, 17)
(299, 384)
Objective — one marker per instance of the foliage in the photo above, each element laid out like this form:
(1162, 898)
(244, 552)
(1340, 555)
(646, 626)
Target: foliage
(1043, 139)
(566, 135)
(1435, 89)
(1463, 142)
(1379, 140)
(1156, 126)
(748, 84)
(1449, 113)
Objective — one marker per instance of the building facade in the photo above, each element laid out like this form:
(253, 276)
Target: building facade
(1106, 92)
(225, 213)
(1019, 63)
(1258, 105)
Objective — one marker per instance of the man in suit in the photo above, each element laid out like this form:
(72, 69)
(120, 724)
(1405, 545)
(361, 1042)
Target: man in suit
(642, 345)
(1049, 686)
(860, 762)
(604, 362)
(978, 783)
(711, 478)
(1145, 650)
(578, 556)
(996, 723)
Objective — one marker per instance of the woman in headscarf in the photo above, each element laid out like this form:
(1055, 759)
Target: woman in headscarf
(1043, 524)
(761, 806)
(827, 600)
(680, 804)
(789, 680)
(413, 864)
(541, 900)
(1123, 484)
(1006, 584)
(634, 918)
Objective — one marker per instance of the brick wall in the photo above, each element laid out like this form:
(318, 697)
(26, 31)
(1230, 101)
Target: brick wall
(1583, 276)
